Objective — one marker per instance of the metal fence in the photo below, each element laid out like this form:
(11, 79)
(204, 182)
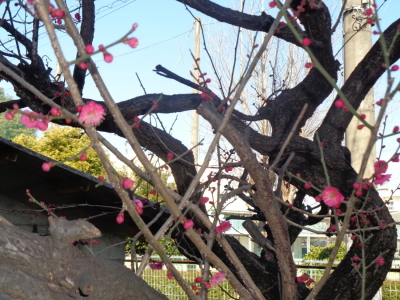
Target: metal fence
(390, 289)
(170, 288)
(189, 271)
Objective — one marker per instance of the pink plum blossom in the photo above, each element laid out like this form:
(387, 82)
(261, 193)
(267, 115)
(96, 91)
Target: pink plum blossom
(138, 206)
(127, 183)
(380, 261)
(169, 274)
(156, 266)
(382, 178)
(42, 125)
(132, 42)
(224, 226)
(332, 197)
(82, 65)
(57, 13)
(47, 166)
(187, 224)
(120, 218)
(92, 113)
(108, 58)
(9, 115)
(29, 121)
(170, 156)
(136, 122)
(54, 111)
(83, 156)
(306, 42)
(203, 200)
(89, 49)
(307, 185)
(217, 279)
(380, 166)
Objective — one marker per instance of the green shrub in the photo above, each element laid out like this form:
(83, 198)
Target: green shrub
(323, 253)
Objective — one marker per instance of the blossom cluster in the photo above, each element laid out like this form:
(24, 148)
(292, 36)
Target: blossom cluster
(108, 57)
(224, 226)
(215, 280)
(380, 167)
(306, 279)
(56, 13)
(33, 119)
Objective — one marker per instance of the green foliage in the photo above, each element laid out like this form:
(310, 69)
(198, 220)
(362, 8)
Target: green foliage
(61, 143)
(322, 253)
(390, 290)
(145, 188)
(141, 247)
(10, 129)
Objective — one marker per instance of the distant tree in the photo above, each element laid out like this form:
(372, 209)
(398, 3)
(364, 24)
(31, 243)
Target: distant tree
(323, 253)
(141, 247)
(146, 190)
(62, 143)
(12, 128)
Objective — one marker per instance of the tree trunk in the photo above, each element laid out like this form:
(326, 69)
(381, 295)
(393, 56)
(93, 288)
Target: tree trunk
(51, 268)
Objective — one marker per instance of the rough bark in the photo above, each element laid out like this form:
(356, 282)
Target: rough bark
(50, 267)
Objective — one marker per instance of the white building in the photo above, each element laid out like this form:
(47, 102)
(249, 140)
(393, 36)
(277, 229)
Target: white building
(306, 238)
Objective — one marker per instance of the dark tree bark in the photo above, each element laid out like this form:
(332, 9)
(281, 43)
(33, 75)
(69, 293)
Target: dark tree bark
(50, 267)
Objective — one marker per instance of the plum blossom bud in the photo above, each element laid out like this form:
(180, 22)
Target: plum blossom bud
(132, 42)
(47, 166)
(203, 200)
(120, 218)
(187, 224)
(82, 65)
(89, 49)
(9, 116)
(54, 111)
(127, 183)
(83, 156)
(306, 42)
(108, 58)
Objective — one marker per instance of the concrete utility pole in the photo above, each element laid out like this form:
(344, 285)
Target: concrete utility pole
(196, 74)
(357, 42)
(58, 72)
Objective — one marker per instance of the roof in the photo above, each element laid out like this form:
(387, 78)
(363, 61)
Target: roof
(20, 169)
